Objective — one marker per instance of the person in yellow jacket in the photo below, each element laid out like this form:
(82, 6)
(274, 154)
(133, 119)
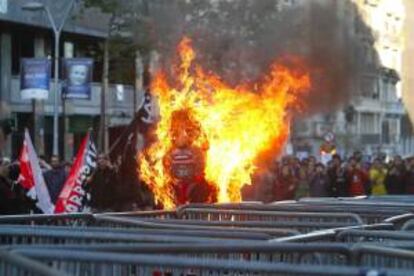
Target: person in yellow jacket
(377, 175)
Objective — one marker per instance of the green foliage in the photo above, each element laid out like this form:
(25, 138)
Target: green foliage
(106, 6)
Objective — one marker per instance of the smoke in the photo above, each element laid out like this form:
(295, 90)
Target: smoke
(239, 39)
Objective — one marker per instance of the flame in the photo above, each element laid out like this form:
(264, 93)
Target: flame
(234, 125)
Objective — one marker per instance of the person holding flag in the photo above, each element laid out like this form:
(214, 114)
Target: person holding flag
(31, 177)
(73, 198)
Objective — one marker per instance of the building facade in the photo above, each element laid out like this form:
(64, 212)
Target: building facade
(26, 34)
(373, 120)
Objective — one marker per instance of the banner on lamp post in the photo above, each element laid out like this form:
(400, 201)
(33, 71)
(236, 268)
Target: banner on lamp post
(78, 78)
(35, 78)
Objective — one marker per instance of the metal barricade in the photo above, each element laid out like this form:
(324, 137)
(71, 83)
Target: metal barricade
(101, 263)
(330, 235)
(384, 257)
(32, 235)
(199, 225)
(369, 214)
(75, 219)
(399, 220)
(408, 225)
(356, 236)
(16, 265)
(313, 253)
(228, 234)
(159, 214)
(211, 214)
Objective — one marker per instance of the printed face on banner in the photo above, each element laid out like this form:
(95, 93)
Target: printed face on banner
(78, 75)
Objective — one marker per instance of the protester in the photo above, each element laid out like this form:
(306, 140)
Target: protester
(377, 175)
(394, 181)
(319, 184)
(43, 164)
(12, 197)
(285, 182)
(357, 178)
(303, 180)
(337, 178)
(101, 185)
(409, 177)
(55, 178)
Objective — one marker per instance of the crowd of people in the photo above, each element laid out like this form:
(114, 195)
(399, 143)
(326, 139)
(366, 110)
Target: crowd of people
(286, 178)
(106, 191)
(291, 178)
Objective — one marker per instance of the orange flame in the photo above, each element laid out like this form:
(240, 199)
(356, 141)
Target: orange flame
(238, 123)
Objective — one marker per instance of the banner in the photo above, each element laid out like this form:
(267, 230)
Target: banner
(72, 198)
(119, 92)
(31, 177)
(34, 78)
(78, 78)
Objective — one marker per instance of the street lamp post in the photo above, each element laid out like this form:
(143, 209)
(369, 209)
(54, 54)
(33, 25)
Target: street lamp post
(36, 6)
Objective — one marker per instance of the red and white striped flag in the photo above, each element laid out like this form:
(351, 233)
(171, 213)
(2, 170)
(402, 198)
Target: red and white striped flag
(73, 194)
(31, 177)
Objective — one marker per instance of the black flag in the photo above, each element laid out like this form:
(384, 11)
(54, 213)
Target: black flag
(123, 153)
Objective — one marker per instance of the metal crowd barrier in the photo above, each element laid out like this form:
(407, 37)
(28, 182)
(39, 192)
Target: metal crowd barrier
(330, 235)
(32, 235)
(102, 263)
(77, 219)
(160, 214)
(368, 213)
(317, 254)
(408, 225)
(356, 236)
(228, 234)
(211, 214)
(376, 256)
(199, 226)
(308, 237)
(262, 226)
(16, 265)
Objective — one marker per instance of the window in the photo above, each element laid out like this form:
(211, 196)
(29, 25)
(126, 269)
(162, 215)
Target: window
(22, 47)
(369, 88)
(368, 123)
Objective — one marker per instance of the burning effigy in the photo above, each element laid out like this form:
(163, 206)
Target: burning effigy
(211, 136)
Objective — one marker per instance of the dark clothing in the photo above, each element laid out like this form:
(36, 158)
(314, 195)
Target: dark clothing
(318, 185)
(285, 184)
(409, 182)
(13, 198)
(338, 184)
(102, 189)
(55, 179)
(394, 181)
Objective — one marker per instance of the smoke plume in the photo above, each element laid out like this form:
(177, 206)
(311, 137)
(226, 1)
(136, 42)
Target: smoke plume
(239, 39)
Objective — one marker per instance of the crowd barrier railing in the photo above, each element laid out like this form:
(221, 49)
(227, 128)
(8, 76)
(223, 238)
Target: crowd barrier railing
(101, 263)
(17, 265)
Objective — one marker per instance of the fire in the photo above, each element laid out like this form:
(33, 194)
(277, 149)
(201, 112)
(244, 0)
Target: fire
(232, 126)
